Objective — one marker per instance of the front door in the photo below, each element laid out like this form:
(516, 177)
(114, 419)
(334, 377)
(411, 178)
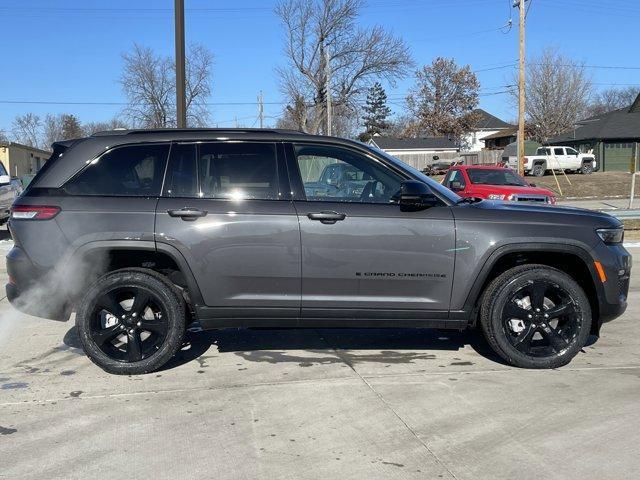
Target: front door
(361, 256)
(226, 207)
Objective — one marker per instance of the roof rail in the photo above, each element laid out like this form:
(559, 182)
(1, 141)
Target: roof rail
(194, 130)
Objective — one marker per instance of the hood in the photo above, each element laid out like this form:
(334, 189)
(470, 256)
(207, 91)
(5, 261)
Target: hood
(507, 189)
(543, 212)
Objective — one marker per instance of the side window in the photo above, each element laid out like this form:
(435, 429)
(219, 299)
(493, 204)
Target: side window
(130, 171)
(456, 178)
(336, 174)
(558, 151)
(223, 170)
(571, 151)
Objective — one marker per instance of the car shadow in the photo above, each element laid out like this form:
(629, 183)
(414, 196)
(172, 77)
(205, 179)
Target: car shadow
(4, 233)
(308, 347)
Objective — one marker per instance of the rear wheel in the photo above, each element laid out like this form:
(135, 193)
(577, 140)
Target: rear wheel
(131, 321)
(587, 168)
(535, 316)
(538, 170)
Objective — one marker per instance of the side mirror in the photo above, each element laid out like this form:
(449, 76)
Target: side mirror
(532, 184)
(415, 196)
(455, 186)
(5, 180)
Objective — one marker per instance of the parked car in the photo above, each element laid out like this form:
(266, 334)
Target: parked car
(166, 228)
(10, 189)
(557, 158)
(494, 183)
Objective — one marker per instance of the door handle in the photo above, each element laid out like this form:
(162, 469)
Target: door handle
(187, 213)
(328, 218)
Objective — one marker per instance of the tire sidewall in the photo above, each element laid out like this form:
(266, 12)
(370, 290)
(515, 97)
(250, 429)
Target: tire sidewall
(587, 169)
(538, 170)
(505, 292)
(162, 293)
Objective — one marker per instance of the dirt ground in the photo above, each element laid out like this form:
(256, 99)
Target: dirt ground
(575, 186)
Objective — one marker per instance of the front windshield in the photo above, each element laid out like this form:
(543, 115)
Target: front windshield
(495, 177)
(418, 175)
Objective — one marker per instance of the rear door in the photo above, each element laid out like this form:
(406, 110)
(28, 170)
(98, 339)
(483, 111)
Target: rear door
(226, 208)
(362, 258)
(558, 159)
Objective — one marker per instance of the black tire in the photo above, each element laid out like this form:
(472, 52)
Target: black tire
(136, 338)
(540, 343)
(538, 170)
(587, 168)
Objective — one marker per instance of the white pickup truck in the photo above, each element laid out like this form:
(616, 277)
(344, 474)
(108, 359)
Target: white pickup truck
(558, 158)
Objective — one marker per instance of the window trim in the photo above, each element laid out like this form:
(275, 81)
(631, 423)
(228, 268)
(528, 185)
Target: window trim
(281, 171)
(110, 149)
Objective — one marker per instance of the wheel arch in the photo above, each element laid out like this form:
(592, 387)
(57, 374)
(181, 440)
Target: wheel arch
(570, 259)
(112, 255)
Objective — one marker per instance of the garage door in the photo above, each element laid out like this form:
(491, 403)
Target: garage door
(617, 156)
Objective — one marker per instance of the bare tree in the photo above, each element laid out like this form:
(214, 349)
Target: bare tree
(443, 99)
(92, 127)
(613, 99)
(26, 129)
(323, 41)
(3, 136)
(52, 129)
(557, 94)
(148, 82)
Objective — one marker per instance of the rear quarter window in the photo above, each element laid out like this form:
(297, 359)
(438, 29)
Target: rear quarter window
(128, 171)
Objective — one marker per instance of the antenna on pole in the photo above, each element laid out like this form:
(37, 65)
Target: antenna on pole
(261, 109)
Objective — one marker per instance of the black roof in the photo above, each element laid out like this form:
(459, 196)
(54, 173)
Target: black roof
(489, 122)
(424, 143)
(616, 125)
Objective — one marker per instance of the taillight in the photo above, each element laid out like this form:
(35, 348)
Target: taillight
(33, 212)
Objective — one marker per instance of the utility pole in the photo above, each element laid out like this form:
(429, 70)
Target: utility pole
(181, 101)
(521, 95)
(327, 64)
(261, 109)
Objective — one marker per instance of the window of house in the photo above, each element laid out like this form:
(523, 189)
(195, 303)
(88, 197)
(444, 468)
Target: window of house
(128, 171)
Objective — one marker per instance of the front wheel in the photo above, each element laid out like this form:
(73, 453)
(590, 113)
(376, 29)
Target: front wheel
(535, 316)
(131, 321)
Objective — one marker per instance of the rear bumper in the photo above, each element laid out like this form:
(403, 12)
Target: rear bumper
(28, 293)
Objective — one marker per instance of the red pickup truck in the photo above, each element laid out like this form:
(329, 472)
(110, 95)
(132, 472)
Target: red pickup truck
(494, 183)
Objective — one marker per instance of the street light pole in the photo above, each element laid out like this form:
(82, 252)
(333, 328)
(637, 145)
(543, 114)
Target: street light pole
(181, 102)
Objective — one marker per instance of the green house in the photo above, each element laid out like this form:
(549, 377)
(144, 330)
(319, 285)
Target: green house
(610, 136)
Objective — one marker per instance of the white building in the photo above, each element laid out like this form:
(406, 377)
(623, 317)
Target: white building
(487, 125)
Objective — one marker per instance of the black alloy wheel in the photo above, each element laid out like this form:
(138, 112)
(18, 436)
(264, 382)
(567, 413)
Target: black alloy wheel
(535, 316)
(131, 321)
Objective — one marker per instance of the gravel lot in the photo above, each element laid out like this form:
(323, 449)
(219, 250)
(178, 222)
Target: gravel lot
(308, 404)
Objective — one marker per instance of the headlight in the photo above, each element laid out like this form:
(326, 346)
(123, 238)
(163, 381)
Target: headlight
(611, 235)
(495, 196)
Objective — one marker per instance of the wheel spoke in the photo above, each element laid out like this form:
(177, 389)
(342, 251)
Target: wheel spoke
(536, 294)
(511, 310)
(154, 326)
(134, 346)
(140, 302)
(554, 338)
(109, 303)
(560, 310)
(523, 340)
(106, 334)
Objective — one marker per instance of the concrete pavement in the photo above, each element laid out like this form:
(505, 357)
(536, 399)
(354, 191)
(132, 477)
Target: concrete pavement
(308, 404)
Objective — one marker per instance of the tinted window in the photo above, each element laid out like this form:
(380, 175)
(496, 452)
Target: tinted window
(457, 177)
(571, 151)
(558, 151)
(134, 171)
(494, 177)
(341, 175)
(223, 170)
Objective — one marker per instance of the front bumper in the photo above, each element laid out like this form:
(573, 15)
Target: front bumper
(28, 293)
(617, 263)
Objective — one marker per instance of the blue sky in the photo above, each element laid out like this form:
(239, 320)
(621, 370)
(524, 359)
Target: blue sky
(70, 51)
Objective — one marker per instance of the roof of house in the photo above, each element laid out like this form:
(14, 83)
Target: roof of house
(489, 122)
(616, 125)
(424, 143)
(20, 145)
(507, 132)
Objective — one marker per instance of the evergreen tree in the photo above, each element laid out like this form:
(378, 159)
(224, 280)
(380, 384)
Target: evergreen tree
(71, 127)
(376, 112)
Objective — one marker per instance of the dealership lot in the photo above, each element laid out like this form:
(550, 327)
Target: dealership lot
(318, 403)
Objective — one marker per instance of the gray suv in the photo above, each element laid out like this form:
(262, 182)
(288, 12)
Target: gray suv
(146, 232)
